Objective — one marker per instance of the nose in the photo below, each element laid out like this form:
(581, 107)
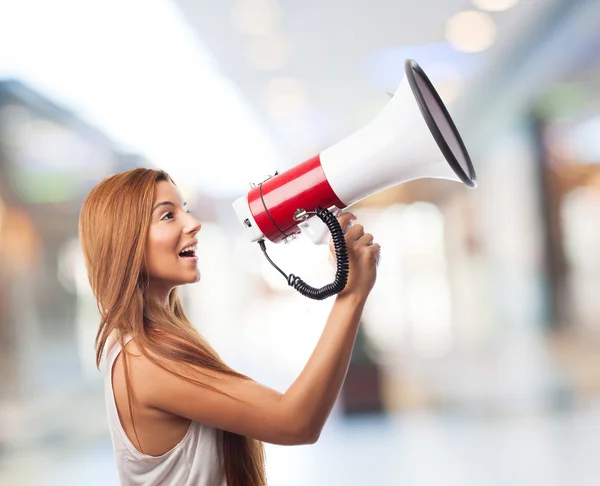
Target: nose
(192, 225)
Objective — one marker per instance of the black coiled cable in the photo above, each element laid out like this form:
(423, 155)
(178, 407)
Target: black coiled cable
(341, 254)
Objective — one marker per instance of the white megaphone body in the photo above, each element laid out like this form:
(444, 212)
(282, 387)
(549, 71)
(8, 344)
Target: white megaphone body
(413, 137)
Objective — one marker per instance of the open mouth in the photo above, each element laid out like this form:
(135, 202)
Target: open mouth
(189, 252)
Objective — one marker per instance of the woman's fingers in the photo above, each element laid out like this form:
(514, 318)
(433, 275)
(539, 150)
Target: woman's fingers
(366, 239)
(345, 220)
(355, 232)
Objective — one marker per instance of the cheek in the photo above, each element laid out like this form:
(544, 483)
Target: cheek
(161, 245)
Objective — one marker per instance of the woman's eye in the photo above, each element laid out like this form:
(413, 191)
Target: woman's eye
(169, 215)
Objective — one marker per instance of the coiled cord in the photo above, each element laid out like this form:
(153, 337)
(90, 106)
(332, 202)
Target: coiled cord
(341, 253)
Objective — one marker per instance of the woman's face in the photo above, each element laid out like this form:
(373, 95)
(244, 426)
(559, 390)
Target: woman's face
(171, 248)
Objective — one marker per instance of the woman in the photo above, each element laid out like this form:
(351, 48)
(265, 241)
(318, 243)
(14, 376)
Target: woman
(177, 414)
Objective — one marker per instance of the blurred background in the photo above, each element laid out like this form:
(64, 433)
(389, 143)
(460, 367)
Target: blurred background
(478, 361)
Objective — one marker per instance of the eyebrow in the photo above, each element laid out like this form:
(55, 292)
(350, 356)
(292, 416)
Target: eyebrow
(165, 203)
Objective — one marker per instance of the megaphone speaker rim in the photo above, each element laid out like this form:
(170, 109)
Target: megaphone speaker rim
(413, 69)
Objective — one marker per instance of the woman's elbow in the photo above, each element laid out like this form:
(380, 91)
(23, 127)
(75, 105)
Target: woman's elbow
(297, 428)
(305, 435)
(312, 438)
(293, 434)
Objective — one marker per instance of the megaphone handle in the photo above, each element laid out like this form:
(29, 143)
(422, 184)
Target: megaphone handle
(341, 253)
(316, 230)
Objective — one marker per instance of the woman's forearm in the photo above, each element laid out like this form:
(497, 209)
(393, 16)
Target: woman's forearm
(311, 397)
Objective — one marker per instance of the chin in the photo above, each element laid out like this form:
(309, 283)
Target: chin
(193, 279)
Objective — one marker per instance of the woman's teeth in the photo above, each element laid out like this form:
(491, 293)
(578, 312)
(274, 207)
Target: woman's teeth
(189, 251)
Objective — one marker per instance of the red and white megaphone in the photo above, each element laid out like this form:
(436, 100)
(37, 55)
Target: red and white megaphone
(413, 137)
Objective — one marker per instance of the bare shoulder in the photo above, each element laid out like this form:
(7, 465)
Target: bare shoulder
(143, 372)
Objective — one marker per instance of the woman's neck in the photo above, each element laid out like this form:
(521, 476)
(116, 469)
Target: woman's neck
(160, 298)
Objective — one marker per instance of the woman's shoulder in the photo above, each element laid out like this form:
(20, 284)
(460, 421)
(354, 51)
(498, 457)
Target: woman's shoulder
(142, 361)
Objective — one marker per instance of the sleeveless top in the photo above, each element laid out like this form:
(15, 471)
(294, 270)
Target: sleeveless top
(192, 462)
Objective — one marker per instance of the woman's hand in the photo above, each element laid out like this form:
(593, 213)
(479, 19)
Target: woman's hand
(363, 256)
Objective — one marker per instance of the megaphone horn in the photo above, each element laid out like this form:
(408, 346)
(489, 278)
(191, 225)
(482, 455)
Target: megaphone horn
(413, 137)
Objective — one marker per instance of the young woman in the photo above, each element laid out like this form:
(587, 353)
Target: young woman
(178, 415)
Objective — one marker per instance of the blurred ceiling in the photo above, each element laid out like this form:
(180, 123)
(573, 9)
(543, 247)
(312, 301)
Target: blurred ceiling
(315, 71)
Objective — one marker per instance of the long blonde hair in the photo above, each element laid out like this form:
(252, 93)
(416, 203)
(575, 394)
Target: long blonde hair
(113, 229)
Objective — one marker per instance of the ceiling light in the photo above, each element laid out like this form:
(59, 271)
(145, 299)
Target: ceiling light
(495, 5)
(471, 31)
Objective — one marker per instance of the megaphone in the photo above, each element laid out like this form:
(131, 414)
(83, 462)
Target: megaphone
(413, 137)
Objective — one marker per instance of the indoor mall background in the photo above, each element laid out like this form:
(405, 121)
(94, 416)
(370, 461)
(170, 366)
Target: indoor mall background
(478, 358)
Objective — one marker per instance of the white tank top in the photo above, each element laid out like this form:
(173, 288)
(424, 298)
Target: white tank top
(192, 462)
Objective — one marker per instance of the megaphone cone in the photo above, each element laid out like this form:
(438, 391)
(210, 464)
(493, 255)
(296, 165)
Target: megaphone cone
(413, 137)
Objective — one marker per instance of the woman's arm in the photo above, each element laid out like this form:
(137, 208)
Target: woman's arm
(249, 408)
(316, 389)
